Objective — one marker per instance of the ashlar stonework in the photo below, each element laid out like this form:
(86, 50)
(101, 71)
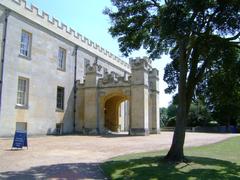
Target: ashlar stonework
(53, 80)
(99, 98)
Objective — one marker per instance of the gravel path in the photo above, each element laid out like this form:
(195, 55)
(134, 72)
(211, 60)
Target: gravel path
(78, 157)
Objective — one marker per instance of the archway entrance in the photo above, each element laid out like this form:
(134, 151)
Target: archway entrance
(99, 100)
(116, 113)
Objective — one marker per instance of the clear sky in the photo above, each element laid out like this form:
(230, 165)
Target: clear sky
(86, 17)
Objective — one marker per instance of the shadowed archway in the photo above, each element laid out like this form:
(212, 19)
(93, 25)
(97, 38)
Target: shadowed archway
(111, 111)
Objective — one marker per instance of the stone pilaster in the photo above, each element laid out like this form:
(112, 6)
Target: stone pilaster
(91, 100)
(154, 121)
(139, 122)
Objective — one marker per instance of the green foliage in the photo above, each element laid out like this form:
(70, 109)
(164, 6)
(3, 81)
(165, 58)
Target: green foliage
(171, 112)
(224, 93)
(163, 116)
(196, 34)
(221, 88)
(171, 122)
(238, 121)
(157, 27)
(216, 161)
(198, 115)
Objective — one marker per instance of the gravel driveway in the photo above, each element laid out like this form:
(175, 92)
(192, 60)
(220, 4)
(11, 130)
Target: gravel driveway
(78, 157)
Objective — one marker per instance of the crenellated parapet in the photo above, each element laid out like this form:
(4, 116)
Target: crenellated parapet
(139, 70)
(45, 20)
(153, 79)
(95, 68)
(109, 80)
(140, 63)
(93, 73)
(154, 73)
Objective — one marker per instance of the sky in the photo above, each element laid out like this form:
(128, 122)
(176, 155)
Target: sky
(86, 17)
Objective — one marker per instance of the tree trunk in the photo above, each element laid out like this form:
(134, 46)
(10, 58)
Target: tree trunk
(176, 153)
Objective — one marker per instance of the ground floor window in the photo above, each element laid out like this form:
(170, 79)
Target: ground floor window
(22, 93)
(60, 98)
(62, 59)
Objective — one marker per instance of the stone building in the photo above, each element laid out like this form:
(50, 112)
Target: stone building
(52, 79)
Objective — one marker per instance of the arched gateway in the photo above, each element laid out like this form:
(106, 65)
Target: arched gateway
(99, 99)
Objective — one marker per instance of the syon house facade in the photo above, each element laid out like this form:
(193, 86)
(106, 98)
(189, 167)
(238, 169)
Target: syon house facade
(54, 80)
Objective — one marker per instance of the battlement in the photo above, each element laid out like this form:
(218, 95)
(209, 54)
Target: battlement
(110, 80)
(43, 19)
(139, 62)
(95, 68)
(154, 73)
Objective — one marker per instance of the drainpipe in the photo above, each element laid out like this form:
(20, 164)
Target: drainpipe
(75, 89)
(97, 102)
(130, 112)
(3, 53)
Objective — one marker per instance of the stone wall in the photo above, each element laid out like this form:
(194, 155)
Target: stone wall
(2, 19)
(41, 70)
(101, 98)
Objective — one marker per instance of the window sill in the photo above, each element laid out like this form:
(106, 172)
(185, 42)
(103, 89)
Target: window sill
(21, 106)
(25, 57)
(63, 70)
(59, 110)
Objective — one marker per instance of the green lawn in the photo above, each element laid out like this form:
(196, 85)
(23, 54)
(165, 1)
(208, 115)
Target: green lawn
(215, 161)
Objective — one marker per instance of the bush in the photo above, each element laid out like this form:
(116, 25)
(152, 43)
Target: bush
(171, 122)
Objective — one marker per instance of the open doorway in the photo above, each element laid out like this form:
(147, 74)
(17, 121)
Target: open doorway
(116, 114)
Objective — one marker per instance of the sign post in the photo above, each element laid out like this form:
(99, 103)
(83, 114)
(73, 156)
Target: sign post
(20, 140)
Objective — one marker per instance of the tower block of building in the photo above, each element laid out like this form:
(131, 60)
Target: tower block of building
(154, 115)
(91, 113)
(139, 120)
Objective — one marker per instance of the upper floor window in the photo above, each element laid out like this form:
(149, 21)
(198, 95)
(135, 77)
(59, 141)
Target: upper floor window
(105, 70)
(62, 59)
(22, 93)
(86, 64)
(26, 40)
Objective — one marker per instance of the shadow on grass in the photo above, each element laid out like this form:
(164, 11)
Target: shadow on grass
(57, 171)
(157, 168)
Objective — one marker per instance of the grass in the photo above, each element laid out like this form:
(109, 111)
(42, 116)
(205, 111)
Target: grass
(215, 161)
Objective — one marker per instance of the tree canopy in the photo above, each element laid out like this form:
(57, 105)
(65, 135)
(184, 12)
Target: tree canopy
(196, 34)
(221, 89)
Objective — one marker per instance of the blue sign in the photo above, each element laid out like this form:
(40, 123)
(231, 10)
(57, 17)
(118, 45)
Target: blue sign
(20, 139)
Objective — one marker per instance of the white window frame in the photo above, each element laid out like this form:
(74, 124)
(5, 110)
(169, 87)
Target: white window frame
(22, 92)
(26, 43)
(61, 63)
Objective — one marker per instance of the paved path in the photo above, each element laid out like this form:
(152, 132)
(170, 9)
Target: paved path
(78, 157)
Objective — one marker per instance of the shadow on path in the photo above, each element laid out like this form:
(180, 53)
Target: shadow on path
(58, 171)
